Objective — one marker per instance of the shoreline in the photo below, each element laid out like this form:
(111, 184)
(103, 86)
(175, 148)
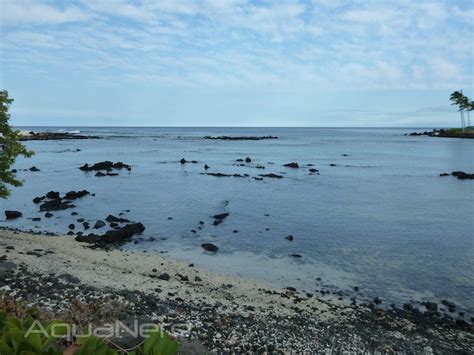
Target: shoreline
(170, 292)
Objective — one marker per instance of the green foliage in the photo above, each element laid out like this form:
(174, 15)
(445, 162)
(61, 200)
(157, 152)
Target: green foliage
(30, 336)
(158, 343)
(10, 147)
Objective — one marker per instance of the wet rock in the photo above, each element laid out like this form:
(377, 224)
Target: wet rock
(13, 214)
(248, 160)
(99, 224)
(36, 219)
(444, 174)
(52, 195)
(290, 237)
(313, 170)
(110, 218)
(332, 164)
(86, 225)
(271, 175)
(38, 199)
(240, 138)
(105, 165)
(461, 175)
(34, 169)
(100, 174)
(72, 226)
(219, 218)
(55, 204)
(48, 215)
(74, 213)
(72, 195)
(210, 247)
(164, 277)
(431, 306)
(44, 136)
(197, 279)
(296, 255)
(206, 167)
(218, 174)
(113, 237)
(292, 165)
(183, 161)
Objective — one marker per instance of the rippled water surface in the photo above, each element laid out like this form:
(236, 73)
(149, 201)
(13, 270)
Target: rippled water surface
(381, 219)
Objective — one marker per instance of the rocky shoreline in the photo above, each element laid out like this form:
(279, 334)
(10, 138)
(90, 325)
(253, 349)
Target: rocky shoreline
(212, 312)
(45, 136)
(444, 133)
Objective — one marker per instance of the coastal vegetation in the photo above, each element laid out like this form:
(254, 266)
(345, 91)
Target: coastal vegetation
(10, 147)
(464, 105)
(28, 331)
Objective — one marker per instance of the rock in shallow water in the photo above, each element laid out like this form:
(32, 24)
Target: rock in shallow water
(13, 214)
(210, 247)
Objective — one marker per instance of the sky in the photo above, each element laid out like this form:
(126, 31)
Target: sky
(322, 63)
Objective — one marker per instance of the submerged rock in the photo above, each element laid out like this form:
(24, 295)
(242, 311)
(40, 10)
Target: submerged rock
(13, 214)
(219, 218)
(461, 175)
(99, 224)
(210, 247)
(111, 218)
(55, 205)
(111, 237)
(272, 176)
(105, 165)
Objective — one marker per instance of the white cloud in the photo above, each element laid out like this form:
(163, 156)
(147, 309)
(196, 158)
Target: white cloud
(33, 12)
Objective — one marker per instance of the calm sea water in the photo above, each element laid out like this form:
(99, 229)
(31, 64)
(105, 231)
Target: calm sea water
(381, 219)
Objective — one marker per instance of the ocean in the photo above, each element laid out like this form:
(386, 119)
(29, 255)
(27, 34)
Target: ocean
(377, 217)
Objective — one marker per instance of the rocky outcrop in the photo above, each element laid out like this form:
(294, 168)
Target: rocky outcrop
(219, 218)
(210, 247)
(13, 214)
(272, 176)
(44, 136)
(292, 165)
(461, 175)
(105, 165)
(240, 138)
(114, 236)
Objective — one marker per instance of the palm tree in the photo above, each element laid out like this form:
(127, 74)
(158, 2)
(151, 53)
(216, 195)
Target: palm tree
(457, 98)
(470, 107)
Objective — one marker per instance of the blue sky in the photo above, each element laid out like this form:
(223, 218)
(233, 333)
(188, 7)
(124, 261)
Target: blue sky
(236, 62)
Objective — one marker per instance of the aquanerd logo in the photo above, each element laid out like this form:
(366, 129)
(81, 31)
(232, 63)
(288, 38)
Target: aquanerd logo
(107, 331)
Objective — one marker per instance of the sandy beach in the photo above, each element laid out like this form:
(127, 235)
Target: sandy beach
(217, 312)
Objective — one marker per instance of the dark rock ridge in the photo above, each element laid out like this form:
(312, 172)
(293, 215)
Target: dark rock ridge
(44, 136)
(13, 214)
(226, 175)
(271, 175)
(113, 237)
(219, 218)
(184, 161)
(111, 218)
(461, 175)
(444, 133)
(105, 165)
(292, 165)
(56, 203)
(240, 138)
(34, 169)
(210, 247)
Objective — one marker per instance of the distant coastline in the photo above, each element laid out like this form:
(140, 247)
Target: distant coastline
(445, 133)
